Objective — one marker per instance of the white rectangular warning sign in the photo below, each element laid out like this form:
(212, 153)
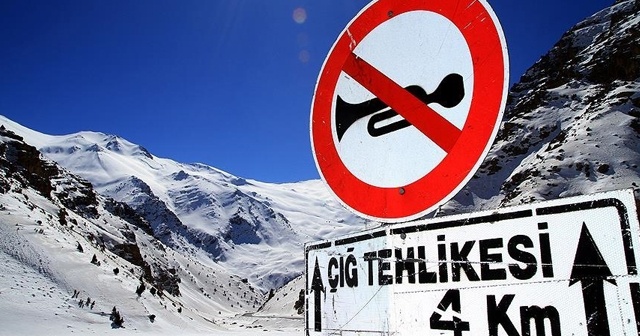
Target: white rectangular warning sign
(563, 267)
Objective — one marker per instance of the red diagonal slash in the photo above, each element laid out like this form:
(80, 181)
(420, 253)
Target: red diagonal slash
(425, 119)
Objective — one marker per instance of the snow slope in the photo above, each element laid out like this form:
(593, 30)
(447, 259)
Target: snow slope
(253, 229)
(62, 244)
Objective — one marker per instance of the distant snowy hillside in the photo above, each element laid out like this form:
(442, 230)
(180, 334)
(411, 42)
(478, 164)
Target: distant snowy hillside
(572, 123)
(253, 229)
(69, 258)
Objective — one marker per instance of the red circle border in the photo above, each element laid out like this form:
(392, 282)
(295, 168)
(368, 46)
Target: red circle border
(488, 50)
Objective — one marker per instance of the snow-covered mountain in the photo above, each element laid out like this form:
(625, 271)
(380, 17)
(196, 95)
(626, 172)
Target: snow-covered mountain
(572, 123)
(70, 258)
(253, 229)
(218, 245)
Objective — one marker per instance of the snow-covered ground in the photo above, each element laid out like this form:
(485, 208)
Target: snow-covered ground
(41, 269)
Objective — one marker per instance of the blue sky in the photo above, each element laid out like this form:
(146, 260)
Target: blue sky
(222, 82)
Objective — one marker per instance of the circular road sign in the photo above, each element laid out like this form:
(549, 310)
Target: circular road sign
(407, 104)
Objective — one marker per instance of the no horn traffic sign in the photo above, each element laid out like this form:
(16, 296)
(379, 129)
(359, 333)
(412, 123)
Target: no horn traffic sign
(407, 105)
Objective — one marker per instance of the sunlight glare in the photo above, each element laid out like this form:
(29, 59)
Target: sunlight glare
(299, 15)
(304, 56)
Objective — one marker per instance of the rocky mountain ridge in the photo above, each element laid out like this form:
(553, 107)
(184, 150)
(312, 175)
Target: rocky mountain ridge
(98, 255)
(571, 123)
(255, 230)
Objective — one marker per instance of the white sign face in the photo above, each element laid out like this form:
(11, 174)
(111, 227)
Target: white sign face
(564, 267)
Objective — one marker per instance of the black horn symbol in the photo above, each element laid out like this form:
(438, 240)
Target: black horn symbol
(449, 93)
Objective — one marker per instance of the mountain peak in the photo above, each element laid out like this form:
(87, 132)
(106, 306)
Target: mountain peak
(199, 208)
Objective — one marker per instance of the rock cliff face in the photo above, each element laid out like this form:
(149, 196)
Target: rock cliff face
(572, 123)
(22, 162)
(22, 167)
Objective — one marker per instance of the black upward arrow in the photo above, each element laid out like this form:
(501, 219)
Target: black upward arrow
(591, 270)
(317, 287)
